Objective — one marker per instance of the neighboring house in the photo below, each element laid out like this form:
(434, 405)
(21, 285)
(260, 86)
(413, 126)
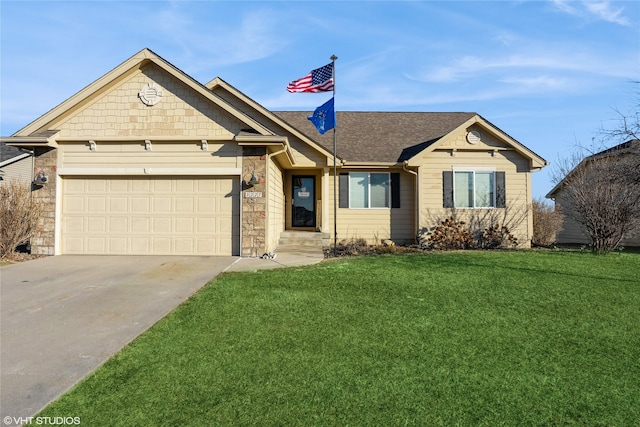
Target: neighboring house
(571, 232)
(15, 165)
(146, 160)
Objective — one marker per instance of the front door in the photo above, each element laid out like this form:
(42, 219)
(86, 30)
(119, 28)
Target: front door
(303, 211)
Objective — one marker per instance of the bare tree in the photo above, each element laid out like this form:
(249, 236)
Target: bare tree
(19, 215)
(599, 188)
(602, 194)
(547, 221)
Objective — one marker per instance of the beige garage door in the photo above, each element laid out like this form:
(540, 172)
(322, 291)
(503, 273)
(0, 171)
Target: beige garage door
(150, 216)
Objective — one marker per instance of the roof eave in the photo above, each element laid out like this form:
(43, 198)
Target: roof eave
(30, 141)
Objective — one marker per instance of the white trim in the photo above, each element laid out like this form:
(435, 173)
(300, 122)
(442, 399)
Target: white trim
(14, 159)
(152, 171)
(57, 234)
(473, 168)
(474, 171)
(369, 190)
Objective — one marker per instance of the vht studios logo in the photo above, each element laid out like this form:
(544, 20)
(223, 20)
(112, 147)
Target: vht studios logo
(42, 421)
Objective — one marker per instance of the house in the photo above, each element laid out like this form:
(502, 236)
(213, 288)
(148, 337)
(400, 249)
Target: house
(15, 165)
(572, 232)
(146, 160)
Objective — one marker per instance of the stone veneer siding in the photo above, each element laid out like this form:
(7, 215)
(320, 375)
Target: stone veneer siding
(45, 159)
(253, 208)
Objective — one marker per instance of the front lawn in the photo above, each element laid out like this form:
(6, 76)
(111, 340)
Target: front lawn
(438, 339)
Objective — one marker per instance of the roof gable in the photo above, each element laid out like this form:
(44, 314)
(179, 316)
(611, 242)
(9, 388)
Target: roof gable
(379, 137)
(396, 137)
(136, 62)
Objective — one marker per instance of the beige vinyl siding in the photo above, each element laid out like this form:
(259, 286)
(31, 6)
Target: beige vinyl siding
(517, 183)
(21, 170)
(188, 154)
(276, 204)
(374, 225)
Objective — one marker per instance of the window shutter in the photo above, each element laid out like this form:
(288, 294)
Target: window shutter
(344, 190)
(447, 189)
(501, 195)
(395, 190)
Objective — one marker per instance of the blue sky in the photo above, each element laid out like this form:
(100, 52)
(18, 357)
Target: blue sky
(549, 73)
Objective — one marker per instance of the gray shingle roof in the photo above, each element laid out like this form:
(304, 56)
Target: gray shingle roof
(379, 136)
(7, 152)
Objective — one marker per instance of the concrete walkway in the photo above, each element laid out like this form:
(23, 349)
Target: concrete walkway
(62, 317)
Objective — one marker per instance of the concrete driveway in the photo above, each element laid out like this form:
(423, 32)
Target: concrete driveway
(62, 317)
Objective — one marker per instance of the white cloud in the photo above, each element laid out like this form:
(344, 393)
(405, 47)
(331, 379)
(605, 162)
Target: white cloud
(600, 10)
(604, 11)
(243, 37)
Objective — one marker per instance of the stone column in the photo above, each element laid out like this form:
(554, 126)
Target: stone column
(253, 220)
(45, 160)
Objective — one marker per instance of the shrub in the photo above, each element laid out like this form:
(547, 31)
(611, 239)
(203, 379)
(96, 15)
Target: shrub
(547, 221)
(450, 234)
(19, 215)
(495, 237)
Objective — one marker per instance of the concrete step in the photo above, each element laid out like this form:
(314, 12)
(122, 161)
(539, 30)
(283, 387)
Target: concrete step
(302, 241)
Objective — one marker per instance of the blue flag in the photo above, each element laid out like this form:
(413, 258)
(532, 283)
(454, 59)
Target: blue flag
(324, 117)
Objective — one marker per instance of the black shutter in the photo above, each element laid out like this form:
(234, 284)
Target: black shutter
(447, 189)
(501, 194)
(395, 190)
(344, 190)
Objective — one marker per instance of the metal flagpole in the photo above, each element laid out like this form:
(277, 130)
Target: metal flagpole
(335, 168)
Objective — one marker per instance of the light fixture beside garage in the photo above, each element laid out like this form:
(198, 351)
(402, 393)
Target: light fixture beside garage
(205, 145)
(147, 145)
(249, 180)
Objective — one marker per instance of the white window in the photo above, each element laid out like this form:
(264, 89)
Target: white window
(474, 189)
(369, 190)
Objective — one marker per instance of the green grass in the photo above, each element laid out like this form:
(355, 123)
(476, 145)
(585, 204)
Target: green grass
(468, 338)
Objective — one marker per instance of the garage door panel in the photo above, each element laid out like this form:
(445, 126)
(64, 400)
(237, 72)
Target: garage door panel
(118, 186)
(118, 205)
(97, 225)
(140, 204)
(98, 185)
(140, 185)
(118, 245)
(140, 225)
(161, 245)
(97, 245)
(118, 224)
(73, 224)
(162, 204)
(162, 225)
(140, 245)
(73, 204)
(155, 216)
(162, 185)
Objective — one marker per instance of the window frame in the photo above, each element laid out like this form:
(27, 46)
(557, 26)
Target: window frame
(388, 198)
(473, 171)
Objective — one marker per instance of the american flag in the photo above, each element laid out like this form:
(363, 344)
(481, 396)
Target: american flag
(318, 80)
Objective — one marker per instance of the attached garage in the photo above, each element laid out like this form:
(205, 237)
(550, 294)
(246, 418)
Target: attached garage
(141, 215)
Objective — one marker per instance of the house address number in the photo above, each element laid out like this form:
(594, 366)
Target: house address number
(253, 194)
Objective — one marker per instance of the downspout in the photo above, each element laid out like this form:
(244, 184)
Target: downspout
(416, 197)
